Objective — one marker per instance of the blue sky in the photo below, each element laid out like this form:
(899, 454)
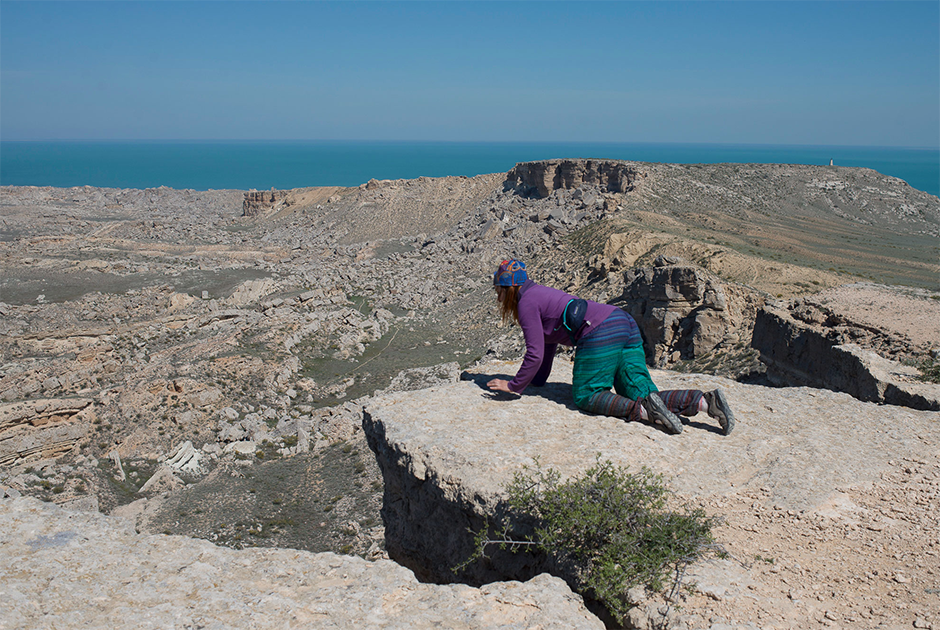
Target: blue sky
(825, 73)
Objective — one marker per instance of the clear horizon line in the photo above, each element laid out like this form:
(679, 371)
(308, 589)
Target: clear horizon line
(507, 142)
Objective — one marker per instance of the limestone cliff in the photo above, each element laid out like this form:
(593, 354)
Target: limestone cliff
(854, 339)
(258, 202)
(543, 177)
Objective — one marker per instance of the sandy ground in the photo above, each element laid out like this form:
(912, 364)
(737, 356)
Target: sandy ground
(913, 313)
(869, 559)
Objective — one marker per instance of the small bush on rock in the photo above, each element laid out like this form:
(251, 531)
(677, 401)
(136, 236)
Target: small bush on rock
(610, 528)
(930, 370)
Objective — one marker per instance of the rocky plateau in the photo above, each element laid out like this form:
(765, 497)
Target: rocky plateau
(199, 366)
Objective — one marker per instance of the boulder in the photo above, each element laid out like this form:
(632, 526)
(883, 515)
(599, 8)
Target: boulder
(186, 459)
(106, 574)
(251, 291)
(164, 480)
(682, 310)
(420, 378)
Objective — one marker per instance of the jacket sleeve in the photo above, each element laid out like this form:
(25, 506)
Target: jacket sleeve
(541, 377)
(530, 320)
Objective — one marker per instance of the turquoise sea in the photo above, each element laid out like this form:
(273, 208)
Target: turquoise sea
(203, 165)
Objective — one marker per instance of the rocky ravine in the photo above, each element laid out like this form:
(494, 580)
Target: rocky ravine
(165, 357)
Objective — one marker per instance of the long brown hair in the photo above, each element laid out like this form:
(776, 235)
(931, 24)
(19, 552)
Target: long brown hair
(509, 306)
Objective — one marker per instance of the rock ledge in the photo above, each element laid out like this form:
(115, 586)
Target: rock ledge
(77, 570)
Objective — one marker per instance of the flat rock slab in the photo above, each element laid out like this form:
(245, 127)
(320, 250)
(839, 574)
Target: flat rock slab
(447, 452)
(799, 443)
(912, 313)
(61, 569)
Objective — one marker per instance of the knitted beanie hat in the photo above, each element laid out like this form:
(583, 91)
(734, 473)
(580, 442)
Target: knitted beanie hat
(511, 273)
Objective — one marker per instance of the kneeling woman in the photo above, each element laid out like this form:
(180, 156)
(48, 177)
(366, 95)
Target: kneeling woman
(608, 353)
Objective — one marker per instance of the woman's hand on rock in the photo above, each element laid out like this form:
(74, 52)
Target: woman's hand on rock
(498, 384)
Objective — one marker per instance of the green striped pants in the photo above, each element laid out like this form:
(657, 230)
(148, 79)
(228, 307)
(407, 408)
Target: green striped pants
(602, 360)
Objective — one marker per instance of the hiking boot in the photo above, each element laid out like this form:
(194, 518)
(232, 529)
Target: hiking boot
(719, 410)
(659, 414)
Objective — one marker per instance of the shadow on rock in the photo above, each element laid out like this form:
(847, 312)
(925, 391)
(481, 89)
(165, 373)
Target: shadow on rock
(556, 392)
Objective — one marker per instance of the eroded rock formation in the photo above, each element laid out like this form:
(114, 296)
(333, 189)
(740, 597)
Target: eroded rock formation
(446, 471)
(258, 202)
(183, 321)
(545, 176)
(829, 344)
(33, 430)
(684, 311)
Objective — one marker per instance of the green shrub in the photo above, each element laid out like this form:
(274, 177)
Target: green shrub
(930, 370)
(610, 526)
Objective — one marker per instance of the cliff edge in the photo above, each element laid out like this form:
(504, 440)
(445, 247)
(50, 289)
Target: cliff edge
(808, 485)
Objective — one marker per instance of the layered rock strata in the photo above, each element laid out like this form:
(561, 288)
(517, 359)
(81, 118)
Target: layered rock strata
(682, 310)
(259, 202)
(34, 430)
(543, 177)
(76, 570)
(839, 344)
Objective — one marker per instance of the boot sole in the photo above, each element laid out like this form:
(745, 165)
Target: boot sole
(719, 409)
(659, 414)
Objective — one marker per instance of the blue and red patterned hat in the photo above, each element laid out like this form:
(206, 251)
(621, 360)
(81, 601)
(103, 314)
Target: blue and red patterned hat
(511, 273)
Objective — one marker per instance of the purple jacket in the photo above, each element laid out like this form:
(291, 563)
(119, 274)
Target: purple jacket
(540, 311)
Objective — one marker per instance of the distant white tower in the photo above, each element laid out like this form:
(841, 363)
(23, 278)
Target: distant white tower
(830, 162)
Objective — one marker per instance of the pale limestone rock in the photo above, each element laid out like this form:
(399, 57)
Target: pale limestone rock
(803, 344)
(104, 574)
(245, 447)
(303, 441)
(680, 308)
(886, 380)
(186, 459)
(115, 458)
(205, 397)
(164, 480)
(34, 430)
(179, 301)
(87, 503)
(252, 291)
(446, 453)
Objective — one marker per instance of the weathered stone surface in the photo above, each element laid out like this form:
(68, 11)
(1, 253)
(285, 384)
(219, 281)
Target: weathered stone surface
(545, 176)
(186, 459)
(252, 291)
(811, 344)
(41, 412)
(66, 569)
(446, 452)
(420, 378)
(868, 376)
(164, 480)
(682, 310)
(259, 202)
(42, 429)
(101, 291)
